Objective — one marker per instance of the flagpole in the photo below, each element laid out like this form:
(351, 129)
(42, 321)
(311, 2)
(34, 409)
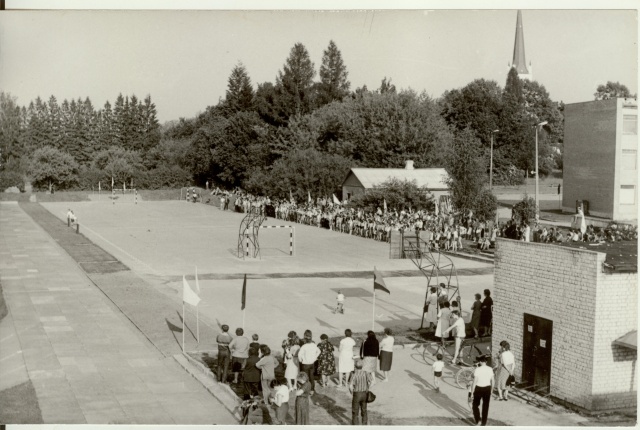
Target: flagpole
(244, 311)
(197, 308)
(373, 322)
(183, 327)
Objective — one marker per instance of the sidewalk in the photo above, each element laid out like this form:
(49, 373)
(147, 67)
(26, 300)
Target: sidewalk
(87, 362)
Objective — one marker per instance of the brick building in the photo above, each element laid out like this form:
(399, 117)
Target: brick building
(600, 158)
(572, 325)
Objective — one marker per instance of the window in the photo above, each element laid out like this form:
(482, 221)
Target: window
(629, 159)
(627, 194)
(630, 124)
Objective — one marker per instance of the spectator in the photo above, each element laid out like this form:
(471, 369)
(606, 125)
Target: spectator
(475, 315)
(345, 358)
(459, 333)
(251, 374)
(280, 401)
(432, 307)
(254, 344)
(386, 353)
(326, 360)
(291, 361)
(486, 313)
(369, 351)
(267, 365)
(506, 368)
(303, 392)
(437, 367)
(239, 353)
(224, 354)
(307, 357)
(443, 322)
(359, 387)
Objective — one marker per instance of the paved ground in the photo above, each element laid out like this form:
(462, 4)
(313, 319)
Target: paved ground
(99, 347)
(86, 361)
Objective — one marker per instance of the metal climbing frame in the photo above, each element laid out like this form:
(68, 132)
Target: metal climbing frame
(248, 232)
(435, 266)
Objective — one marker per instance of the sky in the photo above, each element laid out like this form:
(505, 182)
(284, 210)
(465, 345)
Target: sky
(183, 59)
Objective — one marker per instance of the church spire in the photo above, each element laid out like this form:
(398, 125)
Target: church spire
(519, 61)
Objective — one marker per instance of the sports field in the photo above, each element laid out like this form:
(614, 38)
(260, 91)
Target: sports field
(161, 241)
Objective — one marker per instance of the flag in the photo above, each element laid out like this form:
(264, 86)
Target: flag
(378, 282)
(124, 186)
(384, 202)
(309, 196)
(335, 200)
(188, 295)
(244, 293)
(112, 183)
(98, 185)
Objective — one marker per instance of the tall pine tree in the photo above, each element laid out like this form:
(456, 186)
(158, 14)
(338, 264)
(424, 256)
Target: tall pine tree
(333, 76)
(239, 92)
(294, 94)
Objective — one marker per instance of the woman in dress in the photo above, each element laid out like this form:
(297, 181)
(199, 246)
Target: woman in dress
(302, 399)
(432, 307)
(386, 353)
(443, 320)
(326, 360)
(506, 367)
(291, 348)
(475, 315)
(345, 358)
(486, 313)
(369, 351)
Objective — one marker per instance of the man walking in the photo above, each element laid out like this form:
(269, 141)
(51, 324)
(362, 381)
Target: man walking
(359, 387)
(482, 387)
(224, 353)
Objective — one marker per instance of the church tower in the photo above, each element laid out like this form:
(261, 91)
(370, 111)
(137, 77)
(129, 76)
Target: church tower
(519, 62)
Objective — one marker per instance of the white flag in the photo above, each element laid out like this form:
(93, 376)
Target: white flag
(197, 284)
(188, 295)
(335, 200)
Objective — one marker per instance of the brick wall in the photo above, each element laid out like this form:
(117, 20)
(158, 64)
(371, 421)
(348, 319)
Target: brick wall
(589, 310)
(589, 156)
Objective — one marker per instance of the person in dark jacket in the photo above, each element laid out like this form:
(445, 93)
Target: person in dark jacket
(369, 353)
(251, 374)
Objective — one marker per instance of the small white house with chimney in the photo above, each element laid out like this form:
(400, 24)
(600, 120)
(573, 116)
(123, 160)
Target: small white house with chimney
(361, 179)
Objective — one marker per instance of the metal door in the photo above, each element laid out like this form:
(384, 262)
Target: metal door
(536, 352)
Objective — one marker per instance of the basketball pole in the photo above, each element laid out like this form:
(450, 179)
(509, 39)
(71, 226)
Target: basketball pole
(183, 326)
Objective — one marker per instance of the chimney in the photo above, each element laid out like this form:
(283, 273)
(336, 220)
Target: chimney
(408, 165)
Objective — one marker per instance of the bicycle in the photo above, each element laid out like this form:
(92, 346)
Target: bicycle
(467, 356)
(464, 376)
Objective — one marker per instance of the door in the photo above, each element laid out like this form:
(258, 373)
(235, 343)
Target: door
(536, 352)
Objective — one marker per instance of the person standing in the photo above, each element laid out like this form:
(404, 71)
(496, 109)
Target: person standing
(280, 401)
(224, 354)
(292, 369)
(345, 357)
(251, 374)
(476, 308)
(486, 313)
(326, 360)
(444, 317)
(359, 387)
(302, 399)
(307, 357)
(267, 365)
(369, 351)
(459, 334)
(340, 302)
(437, 367)
(386, 353)
(239, 347)
(506, 369)
(432, 307)
(482, 387)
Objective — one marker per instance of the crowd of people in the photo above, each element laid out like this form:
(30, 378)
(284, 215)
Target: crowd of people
(269, 381)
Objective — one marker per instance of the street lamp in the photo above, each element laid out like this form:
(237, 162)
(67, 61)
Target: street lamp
(540, 124)
(491, 165)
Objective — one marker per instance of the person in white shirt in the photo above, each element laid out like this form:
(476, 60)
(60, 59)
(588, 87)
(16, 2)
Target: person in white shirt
(345, 358)
(459, 332)
(482, 387)
(437, 366)
(386, 353)
(307, 356)
(280, 400)
(507, 367)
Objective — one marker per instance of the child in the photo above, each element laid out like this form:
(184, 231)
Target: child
(340, 304)
(437, 365)
(255, 344)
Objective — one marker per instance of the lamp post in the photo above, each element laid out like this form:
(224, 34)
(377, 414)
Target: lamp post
(491, 163)
(540, 124)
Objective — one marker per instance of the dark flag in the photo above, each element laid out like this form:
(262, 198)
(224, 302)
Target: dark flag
(378, 282)
(244, 293)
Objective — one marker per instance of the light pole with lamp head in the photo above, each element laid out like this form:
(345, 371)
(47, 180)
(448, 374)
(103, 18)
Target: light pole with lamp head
(491, 163)
(540, 124)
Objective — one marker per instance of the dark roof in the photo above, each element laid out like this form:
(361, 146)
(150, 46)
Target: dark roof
(519, 61)
(622, 256)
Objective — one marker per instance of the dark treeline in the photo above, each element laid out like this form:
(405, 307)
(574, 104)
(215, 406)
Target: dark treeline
(299, 134)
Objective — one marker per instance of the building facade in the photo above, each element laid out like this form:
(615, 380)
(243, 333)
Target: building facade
(571, 324)
(601, 158)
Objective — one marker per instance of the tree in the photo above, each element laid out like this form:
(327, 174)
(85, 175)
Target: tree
(612, 90)
(398, 194)
(513, 88)
(10, 130)
(294, 83)
(50, 167)
(333, 76)
(117, 163)
(466, 168)
(239, 91)
(524, 211)
(386, 86)
(267, 106)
